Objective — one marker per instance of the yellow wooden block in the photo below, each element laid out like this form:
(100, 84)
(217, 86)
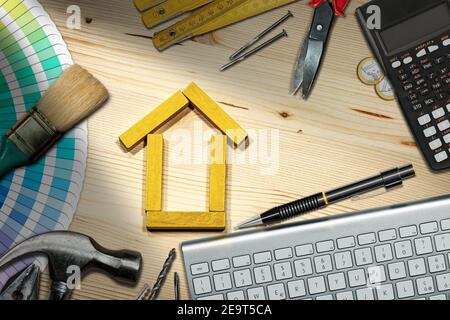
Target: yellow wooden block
(214, 113)
(154, 173)
(155, 119)
(217, 173)
(186, 220)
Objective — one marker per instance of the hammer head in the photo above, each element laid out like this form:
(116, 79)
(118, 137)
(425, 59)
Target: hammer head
(65, 249)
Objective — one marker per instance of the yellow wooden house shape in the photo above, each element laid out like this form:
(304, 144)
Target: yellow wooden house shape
(194, 97)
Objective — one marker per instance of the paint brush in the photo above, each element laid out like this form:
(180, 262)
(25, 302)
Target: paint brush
(73, 97)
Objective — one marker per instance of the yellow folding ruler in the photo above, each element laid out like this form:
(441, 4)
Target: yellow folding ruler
(211, 16)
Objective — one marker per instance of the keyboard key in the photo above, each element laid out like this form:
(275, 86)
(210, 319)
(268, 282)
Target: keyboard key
(425, 285)
(344, 243)
(428, 132)
(376, 274)
(403, 249)
(397, 270)
(407, 232)
(262, 274)
(262, 257)
(276, 292)
(237, 295)
(387, 235)
(444, 125)
(220, 265)
(423, 246)
(242, 278)
(383, 253)
(356, 278)
(343, 260)
(202, 285)
(417, 267)
(256, 294)
(214, 297)
(282, 254)
(385, 292)
(438, 113)
(443, 282)
(304, 250)
(323, 264)
(438, 297)
(367, 238)
(436, 263)
(365, 294)
(296, 289)
(316, 285)
(200, 268)
(303, 267)
(435, 144)
(442, 242)
(347, 295)
(405, 289)
(325, 246)
(327, 297)
(445, 224)
(336, 281)
(241, 261)
(222, 281)
(441, 156)
(425, 119)
(363, 256)
(283, 271)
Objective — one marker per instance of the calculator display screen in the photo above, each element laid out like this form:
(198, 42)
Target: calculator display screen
(415, 28)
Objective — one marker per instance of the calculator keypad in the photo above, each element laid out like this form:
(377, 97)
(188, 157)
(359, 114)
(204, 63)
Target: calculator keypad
(423, 75)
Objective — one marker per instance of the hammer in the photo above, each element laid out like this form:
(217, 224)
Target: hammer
(66, 250)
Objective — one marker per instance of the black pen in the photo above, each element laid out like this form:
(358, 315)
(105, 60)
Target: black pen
(389, 179)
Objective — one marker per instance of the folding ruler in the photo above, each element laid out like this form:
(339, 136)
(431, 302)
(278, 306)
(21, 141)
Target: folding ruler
(209, 15)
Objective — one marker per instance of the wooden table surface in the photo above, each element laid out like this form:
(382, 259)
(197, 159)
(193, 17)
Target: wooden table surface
(344, 132)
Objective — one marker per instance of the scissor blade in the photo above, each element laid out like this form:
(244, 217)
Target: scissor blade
(297, 77)
(312, 64)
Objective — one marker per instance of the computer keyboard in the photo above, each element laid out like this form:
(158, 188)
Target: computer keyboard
(400, 252)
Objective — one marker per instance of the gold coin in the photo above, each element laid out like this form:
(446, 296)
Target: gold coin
(369, 71)
(384, 90)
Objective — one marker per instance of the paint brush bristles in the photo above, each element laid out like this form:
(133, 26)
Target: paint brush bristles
(73, 97)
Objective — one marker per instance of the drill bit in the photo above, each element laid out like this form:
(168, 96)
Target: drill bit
(176, 284)
(162, 275)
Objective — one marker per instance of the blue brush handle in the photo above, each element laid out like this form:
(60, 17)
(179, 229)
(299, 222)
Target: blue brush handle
(10, 156)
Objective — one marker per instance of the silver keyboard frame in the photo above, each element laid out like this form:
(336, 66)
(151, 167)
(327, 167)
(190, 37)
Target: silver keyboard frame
(311, 232)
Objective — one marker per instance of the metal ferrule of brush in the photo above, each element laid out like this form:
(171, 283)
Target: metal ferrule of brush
(298, 207)
(34, 134)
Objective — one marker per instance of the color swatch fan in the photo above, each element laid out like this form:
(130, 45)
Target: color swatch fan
(42, 197)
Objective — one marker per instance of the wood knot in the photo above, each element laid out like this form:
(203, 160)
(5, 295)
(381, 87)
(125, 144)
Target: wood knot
(284, 114)
(89, 20)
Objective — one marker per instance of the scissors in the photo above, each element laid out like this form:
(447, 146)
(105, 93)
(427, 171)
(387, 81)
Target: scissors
(312, 51)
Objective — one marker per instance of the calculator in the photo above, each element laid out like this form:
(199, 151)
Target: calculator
(411, 40)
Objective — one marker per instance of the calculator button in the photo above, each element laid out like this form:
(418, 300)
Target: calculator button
(408, 86)
(429, 101)
(436, 86)
(423, 120)
(444, 125)
(439, 60)
(441, 96)
(396, 64)
(440, 157)
(447, 138)
(407, 60)
(425, 92)
(435, 144)
(432, 75)
(415, 71)
(427, 66)
(421, 53)
(403, 77)
(431, 131)
(438, 113)
(417, 106)
(446, 43)
(444, 70)
(420, 81)
(432, 49)
(412, 97)
(448, 107)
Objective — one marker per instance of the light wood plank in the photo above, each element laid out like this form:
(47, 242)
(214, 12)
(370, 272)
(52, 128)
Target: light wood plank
(154, 173)
(218, 173)
(186, 221)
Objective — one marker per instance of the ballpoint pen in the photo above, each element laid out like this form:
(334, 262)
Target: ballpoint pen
(388, 179)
